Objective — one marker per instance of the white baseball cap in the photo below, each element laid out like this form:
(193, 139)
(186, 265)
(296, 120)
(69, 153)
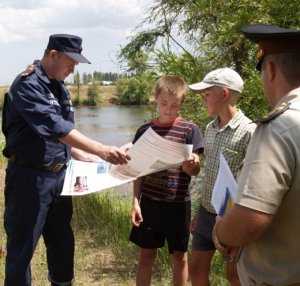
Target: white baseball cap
(223, 77)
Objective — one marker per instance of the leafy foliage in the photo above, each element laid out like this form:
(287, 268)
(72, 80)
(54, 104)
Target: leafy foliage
(135, 90)
(185, 65)
(252, 101)
(211, 31)
(194, 110)
(92, 95)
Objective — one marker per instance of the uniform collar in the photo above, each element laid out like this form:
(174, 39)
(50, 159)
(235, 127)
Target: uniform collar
(293, 95)
(233, 123)
(282, 105)
(40, 72)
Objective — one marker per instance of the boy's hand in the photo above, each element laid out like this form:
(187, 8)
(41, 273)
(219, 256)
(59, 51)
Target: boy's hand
(192, 165)
(136, 215)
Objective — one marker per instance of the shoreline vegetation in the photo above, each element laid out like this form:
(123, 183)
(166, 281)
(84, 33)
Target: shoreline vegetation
(85, 95)
(96, 95)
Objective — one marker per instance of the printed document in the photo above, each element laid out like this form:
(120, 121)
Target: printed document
(151, 153)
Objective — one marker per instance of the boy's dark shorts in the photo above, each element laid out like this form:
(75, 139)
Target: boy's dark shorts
(163, 221)
(202, 235)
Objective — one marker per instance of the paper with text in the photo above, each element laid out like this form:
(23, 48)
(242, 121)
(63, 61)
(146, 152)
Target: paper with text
(151, 153)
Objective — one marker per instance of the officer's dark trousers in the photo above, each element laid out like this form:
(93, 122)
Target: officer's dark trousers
(33, 208)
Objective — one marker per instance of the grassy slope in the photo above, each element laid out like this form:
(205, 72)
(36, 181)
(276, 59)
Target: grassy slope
(106, 94)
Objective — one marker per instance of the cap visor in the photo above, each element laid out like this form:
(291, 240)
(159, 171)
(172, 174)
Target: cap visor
(77, 57)
(200, 86)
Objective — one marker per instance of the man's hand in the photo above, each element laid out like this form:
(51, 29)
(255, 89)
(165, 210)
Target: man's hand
(29, 70)
(230, 253)
(192, 165)
(110, 154)
(233, 254)
(136, 215)
(221, 247)
(114, 155)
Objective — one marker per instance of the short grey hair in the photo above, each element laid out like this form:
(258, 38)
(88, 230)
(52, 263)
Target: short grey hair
(289, 65)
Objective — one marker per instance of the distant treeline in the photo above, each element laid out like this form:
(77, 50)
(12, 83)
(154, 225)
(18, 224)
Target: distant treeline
(96, 76)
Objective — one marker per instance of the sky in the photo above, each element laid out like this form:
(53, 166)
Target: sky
(104, 25)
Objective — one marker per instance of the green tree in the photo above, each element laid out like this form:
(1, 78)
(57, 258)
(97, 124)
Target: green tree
(207, 35)
(92, 95)
(84, 78)
(135, 90)
(77, 84)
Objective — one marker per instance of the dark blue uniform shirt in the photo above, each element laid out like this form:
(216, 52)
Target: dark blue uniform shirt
(37, 112)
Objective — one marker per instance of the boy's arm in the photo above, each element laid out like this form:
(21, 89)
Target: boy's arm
(136, 191)
(136, 214)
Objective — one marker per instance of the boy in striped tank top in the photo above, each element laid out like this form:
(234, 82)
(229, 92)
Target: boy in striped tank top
(161, 208)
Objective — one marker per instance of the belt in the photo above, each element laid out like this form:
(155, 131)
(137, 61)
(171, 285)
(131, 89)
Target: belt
(54, 167)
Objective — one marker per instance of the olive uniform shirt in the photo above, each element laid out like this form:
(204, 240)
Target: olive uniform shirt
(270, 182)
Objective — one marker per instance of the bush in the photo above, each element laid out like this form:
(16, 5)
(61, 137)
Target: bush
(135, 90)
(253, 102)
(193, 109)
(92, 95)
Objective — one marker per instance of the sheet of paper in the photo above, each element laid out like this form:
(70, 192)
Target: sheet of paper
(88, 177)
(225, 187)
(151, 153)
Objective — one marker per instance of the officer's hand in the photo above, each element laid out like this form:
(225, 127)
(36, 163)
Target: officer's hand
(29, 70)
(115, 155)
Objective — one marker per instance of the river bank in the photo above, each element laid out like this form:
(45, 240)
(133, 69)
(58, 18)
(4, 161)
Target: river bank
(106, 95)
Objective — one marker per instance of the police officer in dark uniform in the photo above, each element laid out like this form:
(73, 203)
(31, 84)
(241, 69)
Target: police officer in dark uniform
(38, 124)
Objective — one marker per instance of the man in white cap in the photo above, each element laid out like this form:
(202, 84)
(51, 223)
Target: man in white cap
(229, 133)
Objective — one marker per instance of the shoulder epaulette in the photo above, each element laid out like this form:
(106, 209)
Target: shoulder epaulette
(274, 113)
(295, 105)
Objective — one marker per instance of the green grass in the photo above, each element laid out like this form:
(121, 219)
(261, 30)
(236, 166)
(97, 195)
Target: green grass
(106, 217)
(104, 256)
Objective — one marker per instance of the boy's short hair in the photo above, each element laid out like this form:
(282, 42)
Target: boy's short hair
(174, 85)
